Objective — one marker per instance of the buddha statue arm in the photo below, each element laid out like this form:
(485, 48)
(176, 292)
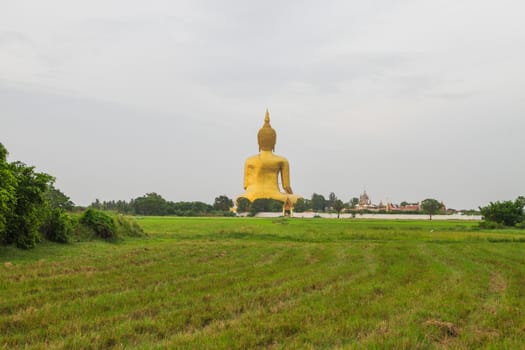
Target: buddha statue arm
(285, 177)
(246, 172)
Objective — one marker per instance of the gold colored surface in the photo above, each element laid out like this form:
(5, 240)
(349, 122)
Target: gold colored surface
(266, 135)
(262, 171)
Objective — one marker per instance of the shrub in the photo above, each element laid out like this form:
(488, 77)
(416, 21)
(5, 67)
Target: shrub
(101, 223)
(58, 227)
(81, 232)
(521, 225)
(127, 226)
(490, 225)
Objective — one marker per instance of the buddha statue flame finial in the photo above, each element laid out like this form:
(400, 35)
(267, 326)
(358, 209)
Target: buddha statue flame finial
(266, 135)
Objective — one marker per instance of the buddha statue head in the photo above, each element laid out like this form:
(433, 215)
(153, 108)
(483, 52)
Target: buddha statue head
(266, 136)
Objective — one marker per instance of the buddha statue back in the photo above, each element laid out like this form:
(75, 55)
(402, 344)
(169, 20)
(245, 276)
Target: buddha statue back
(262, 171)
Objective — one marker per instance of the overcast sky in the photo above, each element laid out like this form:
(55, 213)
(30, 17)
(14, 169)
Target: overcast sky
(408, 99)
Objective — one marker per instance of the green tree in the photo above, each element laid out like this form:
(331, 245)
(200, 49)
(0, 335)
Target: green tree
(188, 208)
(331, 200)
(56, 199)
(338, 206)
(318, 202)
(222, 203)
(150, 204)
(123, 207)
(353, 202)
(119, 206)
(30, 205)
(57, 226)
(430, 206)
(508, 213)
(266, 205)
(243, 205)
(200, 208)
(7, 191)
(96, 204)
(302, 205)
(25, 219)
(258, 205)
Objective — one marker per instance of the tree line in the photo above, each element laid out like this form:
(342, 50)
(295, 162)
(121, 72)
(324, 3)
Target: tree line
(154, 204)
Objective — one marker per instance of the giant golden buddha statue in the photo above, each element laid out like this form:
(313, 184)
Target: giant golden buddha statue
(261, 172)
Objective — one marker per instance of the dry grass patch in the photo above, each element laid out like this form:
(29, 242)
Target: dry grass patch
(497, 283)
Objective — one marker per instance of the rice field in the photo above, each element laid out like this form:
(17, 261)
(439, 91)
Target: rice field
(248, 283)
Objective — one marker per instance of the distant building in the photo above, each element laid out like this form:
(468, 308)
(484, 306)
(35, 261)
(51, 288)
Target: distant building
(364, 202)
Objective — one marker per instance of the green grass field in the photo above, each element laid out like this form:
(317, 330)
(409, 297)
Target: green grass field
(244, 283)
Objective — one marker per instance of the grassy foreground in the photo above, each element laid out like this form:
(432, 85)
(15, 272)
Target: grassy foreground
(243, 283)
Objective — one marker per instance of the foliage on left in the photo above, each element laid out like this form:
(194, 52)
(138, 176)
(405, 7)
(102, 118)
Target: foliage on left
(21, 199)
(30, 206)
(32, 209)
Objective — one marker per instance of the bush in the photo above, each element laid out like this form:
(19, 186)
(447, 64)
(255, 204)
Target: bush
(127, 226)
(23, 230)
(58, 227)
(490, 225)
(507, 213)
(521, 225)
(81, 232)
(101, 223)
